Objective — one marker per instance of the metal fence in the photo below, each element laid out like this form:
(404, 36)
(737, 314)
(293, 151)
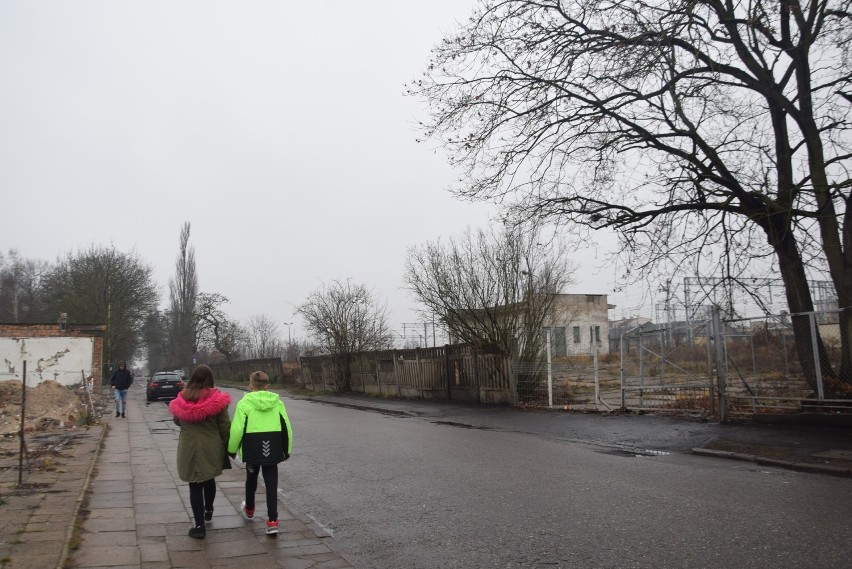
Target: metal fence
(577, 382)
(668, 367)
(742, 367)
(766, 370)
(705, 366)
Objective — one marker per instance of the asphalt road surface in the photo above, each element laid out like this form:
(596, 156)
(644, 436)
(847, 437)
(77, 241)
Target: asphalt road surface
(401, 492)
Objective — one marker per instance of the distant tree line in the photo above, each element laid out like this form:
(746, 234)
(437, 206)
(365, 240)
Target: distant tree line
(102, 285)
(486, 288)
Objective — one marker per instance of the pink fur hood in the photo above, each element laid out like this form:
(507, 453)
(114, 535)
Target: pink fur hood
(210, 404)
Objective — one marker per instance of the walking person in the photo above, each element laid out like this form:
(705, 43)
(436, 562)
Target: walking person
(120, 382)
(201, 410)
(261, 432)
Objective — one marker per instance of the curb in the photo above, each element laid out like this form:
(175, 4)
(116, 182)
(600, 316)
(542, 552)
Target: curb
(383, 410)
(65, 555)
(789, 465)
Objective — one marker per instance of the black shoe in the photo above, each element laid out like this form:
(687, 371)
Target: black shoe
(208, 514)
(122, 416)
(117, 414)
(198, 532)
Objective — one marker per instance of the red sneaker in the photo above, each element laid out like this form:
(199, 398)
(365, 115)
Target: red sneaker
(271, 527)
(248, 512)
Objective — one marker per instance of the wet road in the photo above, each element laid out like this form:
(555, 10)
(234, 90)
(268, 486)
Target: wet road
(426, 493)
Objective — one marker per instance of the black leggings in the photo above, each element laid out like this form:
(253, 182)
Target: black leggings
(270, 480)
(201, 494)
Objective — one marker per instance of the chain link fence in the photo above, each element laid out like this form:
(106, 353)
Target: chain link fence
(786, 363)
(772, 364)
(577, 382)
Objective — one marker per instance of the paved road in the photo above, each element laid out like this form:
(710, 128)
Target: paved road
(402, 492)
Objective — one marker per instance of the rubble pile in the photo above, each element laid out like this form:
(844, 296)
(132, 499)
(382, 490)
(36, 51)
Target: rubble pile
(49, 406)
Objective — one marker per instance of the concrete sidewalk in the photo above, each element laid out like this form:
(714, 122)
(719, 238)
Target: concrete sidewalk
(139, 513)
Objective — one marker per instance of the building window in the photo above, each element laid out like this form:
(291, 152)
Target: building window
(576, 334)
(594, 333)
(557, 342)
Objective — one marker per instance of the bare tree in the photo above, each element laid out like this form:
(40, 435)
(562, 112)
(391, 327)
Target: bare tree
(183, 296)
(20, 289)
(213, 326)
(104, 286)
(264, 338)
(293, 350)
(712, 136)
(344, 318)
(491, 288)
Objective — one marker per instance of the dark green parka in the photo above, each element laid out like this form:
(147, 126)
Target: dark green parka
(204, 429)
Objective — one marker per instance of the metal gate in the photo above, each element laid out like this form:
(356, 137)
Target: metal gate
(668, 367)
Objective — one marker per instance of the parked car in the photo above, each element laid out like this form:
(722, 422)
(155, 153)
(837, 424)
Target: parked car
(164, 384)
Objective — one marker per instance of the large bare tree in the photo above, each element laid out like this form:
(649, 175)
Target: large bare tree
(343, 318)
(183, 296)
(710, 135)
(491, 288)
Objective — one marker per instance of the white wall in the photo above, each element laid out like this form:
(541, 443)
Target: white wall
(585, 311)
(58, 359)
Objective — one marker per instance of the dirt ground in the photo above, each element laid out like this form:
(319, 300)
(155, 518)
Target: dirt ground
(53, 417)
(49, 406)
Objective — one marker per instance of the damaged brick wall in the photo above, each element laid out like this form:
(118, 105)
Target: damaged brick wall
(45, 346)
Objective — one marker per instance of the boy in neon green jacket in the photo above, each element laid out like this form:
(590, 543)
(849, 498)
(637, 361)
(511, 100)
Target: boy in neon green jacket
(261, 432)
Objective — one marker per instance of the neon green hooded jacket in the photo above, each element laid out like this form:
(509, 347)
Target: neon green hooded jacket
(260, 429)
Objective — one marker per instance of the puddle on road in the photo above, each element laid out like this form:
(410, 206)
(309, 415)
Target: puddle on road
(461, 425)
(633, 453)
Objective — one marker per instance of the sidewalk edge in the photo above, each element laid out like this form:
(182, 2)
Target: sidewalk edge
(802, 466)
(66, 549)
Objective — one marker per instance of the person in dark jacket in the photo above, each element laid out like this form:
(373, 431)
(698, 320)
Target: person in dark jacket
(261, 432)
(201, 410)
(120, 382)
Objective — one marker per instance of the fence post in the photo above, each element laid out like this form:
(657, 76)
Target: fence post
(378, 381)
(447, 371)
(597, 378)
(396, 373)
(476, 372)
(23, 414)
(817, 362)
(707, 332)
(641, 372)
(721, 379)
(549, 371)
(418, 371)
(621, 349)
(514, 363)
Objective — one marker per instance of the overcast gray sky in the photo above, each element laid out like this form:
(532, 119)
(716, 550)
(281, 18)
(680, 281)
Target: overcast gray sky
(278, 129)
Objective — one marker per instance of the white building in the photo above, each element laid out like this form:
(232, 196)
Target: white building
(579, 324)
